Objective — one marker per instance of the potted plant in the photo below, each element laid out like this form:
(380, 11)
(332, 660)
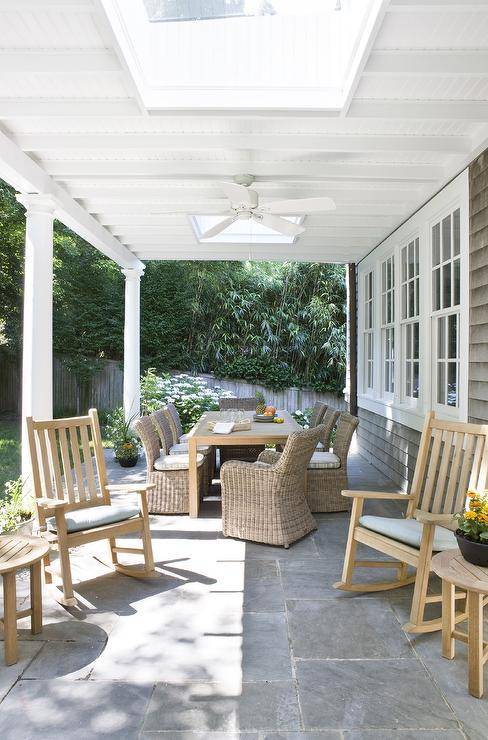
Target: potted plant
(472, 532)
(15, 513)
(124, 440)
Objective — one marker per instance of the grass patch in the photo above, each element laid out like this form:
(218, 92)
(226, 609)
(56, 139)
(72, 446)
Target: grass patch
(9, 452)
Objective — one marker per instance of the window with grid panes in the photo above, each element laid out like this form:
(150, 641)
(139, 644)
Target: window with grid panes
(387, 323)
(369, 330)
(410, 285)
(446, 297)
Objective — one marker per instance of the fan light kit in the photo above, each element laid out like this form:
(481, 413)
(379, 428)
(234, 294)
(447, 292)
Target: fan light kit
(244, 206)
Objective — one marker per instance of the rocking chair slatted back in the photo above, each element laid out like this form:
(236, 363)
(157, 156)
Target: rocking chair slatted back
(68, 461)
(452, 457)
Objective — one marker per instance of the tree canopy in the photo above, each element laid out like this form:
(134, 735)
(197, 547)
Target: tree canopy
(283, 323)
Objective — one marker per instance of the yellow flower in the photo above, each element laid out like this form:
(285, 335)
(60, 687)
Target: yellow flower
(471, 493)
(470, 515)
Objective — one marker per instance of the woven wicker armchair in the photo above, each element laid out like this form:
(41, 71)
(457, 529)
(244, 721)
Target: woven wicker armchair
(170, 494)
(234, 452)
(327, 471)
(168, 424)
(265, 501)
(318, 412)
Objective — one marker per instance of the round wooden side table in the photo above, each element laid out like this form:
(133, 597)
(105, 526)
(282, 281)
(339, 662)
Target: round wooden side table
(20, 552)
(456, 571)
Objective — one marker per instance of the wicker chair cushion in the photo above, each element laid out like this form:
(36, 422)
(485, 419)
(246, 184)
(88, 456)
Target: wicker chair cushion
(182, 449)
(174, 462)
(324, 460)
(94, 516)
(183, 438)
(408, 531)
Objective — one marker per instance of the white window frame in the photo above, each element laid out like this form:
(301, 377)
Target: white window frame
(398, 406)
(409, 319)
(388, 333)
(368, 303)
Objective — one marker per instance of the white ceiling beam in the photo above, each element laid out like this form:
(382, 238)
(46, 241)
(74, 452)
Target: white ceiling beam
(465, 110)
(166, 241)
(58, 62)
(184, 230)
(35, 107)
(449, 62)
(64, 169)
(430, 6)
(27, 176)
(268, 142)
(255, 254)
(384, 209)
(73, 5)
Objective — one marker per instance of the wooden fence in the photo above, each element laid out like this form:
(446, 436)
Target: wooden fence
(104, 390)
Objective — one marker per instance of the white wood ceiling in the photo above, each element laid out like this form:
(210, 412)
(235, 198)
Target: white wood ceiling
(418, 114)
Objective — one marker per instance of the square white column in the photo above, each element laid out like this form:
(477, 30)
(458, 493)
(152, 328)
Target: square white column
(132, 366)
(37, 352)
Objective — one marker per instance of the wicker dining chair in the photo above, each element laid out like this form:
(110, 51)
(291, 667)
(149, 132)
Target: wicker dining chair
(168, 473)
(317, 414)
(327, 471)
(265, 501)
(162, 420)
(234, 452)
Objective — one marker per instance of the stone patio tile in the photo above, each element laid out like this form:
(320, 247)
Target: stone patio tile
(304, 735)
(68, 660)
(403, 735)
(369, 694)
(10, 673)
(304, 548)
(76, 710)
(215, 708)
(60, 623)
(171, 735)
(314, 578)
(265, 648)
(264, 596)
(320, 629)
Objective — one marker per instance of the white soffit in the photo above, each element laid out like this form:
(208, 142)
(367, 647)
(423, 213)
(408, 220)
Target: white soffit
(412, 112)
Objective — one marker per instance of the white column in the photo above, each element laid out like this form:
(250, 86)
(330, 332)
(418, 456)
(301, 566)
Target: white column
(37, 357)
(132, 370)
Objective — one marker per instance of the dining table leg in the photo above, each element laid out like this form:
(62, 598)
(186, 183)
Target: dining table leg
(193, 477)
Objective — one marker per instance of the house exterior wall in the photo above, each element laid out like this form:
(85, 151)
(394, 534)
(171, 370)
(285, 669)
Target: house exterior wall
(478, 290)
(390, 423)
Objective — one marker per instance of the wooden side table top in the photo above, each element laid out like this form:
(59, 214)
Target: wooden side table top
(19, 551)
(452, 567)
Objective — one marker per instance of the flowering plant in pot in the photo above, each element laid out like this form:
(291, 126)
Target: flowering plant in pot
(124, 440)
(472, 531)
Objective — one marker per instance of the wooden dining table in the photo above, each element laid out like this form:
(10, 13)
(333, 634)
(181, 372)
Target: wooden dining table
(261, 433)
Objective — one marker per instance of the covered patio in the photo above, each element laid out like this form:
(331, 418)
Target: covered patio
(237, 640)
(122, 121)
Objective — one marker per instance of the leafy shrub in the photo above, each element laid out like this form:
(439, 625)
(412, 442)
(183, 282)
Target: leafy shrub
(270, 373)
(190, 394)
(13, 510)
(303, 417)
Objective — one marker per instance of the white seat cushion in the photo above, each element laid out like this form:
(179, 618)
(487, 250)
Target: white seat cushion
(324, 460)
(94, 516)
(183, 438)
(182, 449)
(408, 531)
(174, 462)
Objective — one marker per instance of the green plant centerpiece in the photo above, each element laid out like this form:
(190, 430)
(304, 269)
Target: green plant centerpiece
(14, 510)
(472, 531)
(124, 440)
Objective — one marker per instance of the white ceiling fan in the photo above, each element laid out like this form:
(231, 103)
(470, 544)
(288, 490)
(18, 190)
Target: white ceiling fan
(244, 205)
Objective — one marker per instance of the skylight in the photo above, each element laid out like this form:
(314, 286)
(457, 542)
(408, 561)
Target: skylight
(198, 10)
(241, 232)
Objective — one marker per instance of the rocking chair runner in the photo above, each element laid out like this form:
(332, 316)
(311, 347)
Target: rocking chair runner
(452, 457)
(73, 498)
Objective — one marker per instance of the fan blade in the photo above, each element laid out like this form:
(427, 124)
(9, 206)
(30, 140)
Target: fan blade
(299, 205)
(278, 224)
(239, 195)
(221, 226)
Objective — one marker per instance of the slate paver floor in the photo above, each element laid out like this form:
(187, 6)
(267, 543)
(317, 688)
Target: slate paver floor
(234, 640)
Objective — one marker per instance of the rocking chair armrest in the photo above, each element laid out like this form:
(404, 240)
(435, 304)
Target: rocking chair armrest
(448, 521)
(379, 495)
(51, 503)
(130, 487)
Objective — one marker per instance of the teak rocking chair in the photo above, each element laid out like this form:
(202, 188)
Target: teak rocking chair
(452, 457)
(73, 498)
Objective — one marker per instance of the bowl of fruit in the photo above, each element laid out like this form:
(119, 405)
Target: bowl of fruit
(263, 411)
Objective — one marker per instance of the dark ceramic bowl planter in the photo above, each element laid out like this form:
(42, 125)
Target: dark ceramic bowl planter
(474, 552)
(127, 462)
